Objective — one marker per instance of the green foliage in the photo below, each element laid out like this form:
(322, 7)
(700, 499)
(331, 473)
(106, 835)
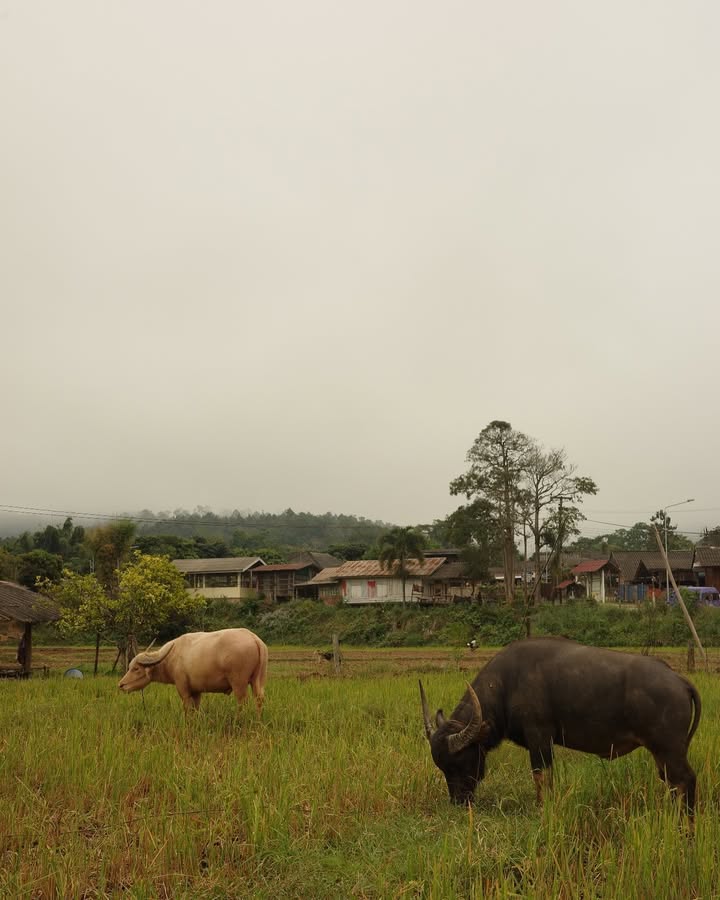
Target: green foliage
(9, 564)
(151, 592)
(111, 546)
(397, 547)
(251, 532)
(474, 528)
(84, 607)
(38, 565)
(710, 538)
(639, 536)
(151, 600)
(349, 551)
(308, 623)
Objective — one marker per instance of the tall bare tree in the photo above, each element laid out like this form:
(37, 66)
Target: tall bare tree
(550, 481)
(498, 460)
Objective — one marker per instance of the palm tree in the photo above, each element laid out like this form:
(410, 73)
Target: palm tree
(397, 546)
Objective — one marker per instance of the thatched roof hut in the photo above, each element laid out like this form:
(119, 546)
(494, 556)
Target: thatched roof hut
(20, 609)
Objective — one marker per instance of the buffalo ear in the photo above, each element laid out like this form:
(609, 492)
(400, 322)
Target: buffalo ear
(439, 719)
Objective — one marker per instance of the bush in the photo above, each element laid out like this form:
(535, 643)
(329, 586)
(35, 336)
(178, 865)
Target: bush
(309, 623)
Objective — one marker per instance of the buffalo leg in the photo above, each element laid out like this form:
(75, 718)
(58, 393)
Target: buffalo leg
(239, 688)
(541, 761)
(258, 694)
(191, 702)
(678, 774)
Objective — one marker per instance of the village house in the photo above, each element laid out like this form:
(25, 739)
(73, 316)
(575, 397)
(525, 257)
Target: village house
(283, 581)
(20, 609)
(642, 573)
(598, 577)
(367, 581)
(706, 566)
(228, 578)
(325, 586)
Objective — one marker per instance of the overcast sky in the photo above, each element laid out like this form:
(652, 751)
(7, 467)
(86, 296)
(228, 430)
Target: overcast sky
(298, 254)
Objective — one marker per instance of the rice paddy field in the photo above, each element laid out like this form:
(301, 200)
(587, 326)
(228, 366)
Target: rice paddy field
(332, 793)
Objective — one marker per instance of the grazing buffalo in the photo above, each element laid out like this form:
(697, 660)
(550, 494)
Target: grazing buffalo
(214, 662)
(546, 691)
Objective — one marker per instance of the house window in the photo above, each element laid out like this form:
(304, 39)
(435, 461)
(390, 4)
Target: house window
(372, 590)
(223, 579)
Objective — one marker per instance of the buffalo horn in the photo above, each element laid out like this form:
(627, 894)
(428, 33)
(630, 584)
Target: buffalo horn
(458, 742)
(150, 645)
(152, 659)
(426, 712)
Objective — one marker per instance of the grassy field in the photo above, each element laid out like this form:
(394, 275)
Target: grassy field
(332, 794)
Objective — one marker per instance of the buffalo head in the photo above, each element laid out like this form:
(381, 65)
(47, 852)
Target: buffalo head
(139, 673)
(457, 748)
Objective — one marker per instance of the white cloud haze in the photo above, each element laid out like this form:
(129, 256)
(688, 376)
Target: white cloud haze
(300, 254)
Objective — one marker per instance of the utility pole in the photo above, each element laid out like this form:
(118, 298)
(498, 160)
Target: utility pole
(688, 619)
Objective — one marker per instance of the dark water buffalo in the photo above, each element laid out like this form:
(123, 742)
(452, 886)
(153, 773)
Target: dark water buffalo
(547, 691)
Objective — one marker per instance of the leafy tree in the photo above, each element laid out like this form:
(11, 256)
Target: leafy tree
(84, 607)
(151, 591)
(498, 460)
(397, 547)
(50, 540)
(8, 565)
(639, 536)
(169, 545)
(348, 551)
(473, 528)
(662, 521)
(710, 538)
(150, 594)
(38, 565)
(111, 546)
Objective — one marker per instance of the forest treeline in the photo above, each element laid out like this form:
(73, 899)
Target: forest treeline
(184, 535)
(521, 501)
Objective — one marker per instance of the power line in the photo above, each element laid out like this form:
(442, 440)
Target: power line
(240, 523)
(221, 522)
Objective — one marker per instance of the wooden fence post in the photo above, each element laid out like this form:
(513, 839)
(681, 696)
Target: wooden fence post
(336, 653)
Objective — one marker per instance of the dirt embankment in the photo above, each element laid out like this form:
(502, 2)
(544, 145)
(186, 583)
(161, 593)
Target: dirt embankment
(305, 662)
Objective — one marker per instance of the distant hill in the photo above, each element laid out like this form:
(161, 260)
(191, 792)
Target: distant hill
(236, 529)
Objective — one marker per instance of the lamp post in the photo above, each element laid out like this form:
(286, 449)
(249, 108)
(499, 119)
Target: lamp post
(665, 524)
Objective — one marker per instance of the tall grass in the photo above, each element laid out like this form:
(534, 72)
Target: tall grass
(332, 794)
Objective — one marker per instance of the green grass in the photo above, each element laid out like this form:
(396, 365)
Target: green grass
(332, 794)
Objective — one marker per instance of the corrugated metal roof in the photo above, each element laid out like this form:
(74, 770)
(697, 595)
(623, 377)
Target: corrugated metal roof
(221, 564)
(652, 559)
(327, 576)
(22, 605)
(707, 556)
(313, 557)
(590, 565)
(371, 568)
(451, 571)
(282, 567)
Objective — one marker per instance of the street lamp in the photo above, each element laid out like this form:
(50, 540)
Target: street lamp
(665, 522)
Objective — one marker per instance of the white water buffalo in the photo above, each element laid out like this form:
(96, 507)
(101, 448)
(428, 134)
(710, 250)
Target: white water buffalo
(212, 662)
